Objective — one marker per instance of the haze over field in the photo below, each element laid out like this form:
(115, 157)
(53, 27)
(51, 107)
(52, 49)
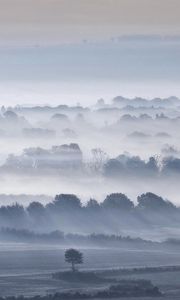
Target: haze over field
(89, 149)
(85, 71)
(126, 145)
(53, 52)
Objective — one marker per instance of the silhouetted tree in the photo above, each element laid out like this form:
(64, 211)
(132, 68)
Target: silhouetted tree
(99, 158)
(151, 201)
(92, 204)
(124, 165)
(13, 214)
(60, 117)
(36, 209)
(65, 202)
(171, 165)
(10, 115)
(74, 257)
(113, 167)
(118, 201)
(152, 165)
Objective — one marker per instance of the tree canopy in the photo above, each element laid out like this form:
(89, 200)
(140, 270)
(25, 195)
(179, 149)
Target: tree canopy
(74, 257)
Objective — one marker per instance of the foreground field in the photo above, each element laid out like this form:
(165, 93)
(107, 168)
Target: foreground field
(29, 271)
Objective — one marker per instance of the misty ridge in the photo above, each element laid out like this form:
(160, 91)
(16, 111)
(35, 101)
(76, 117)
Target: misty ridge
(115, 215)
(68, 159)
(89, 150)
(114, 168)
(125, 145)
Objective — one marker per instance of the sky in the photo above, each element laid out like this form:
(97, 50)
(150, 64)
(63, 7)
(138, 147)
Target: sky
(60, 21)
(56, 51)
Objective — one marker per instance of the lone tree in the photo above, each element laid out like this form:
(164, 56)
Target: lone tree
(73, 257)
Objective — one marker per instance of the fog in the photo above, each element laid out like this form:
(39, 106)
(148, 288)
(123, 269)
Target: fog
(102, 177)
(128, 145)
(83, 71)
(89, 149)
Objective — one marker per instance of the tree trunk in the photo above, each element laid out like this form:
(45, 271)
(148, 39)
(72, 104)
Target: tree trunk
(73, 267)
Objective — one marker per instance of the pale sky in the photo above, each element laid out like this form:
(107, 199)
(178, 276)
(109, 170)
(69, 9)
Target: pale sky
(56, 51)
(59, 21)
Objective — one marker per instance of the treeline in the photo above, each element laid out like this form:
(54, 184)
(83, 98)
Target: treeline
(67, 213)
(125, 288)
(68, 159)
(99, 240)
(25, 235)
(125, 166)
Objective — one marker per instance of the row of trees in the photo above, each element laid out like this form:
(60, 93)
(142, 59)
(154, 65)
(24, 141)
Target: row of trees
(70, 157)
(70, 203)
(67, 213)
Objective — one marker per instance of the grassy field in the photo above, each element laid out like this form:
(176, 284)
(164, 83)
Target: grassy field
(28, 271)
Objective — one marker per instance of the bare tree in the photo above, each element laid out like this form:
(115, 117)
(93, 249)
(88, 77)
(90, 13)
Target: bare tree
(99, 159)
